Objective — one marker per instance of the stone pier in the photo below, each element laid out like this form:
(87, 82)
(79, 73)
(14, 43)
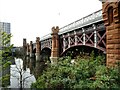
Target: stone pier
(24, 46)
(38, 48)
(28, 50)
(111, 17)
(55, 45)
(31, 49)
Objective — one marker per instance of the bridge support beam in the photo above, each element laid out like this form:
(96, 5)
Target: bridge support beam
(64, 44)
(55, 45)
(31, 49)
(111, 19)
(28, 50)
(95, 39)
(38, 48)
(75, 38)
(69, 40)
(83, 31)
(95, 36)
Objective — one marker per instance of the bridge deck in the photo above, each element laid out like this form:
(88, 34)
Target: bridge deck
(85, 21)
(89, 31)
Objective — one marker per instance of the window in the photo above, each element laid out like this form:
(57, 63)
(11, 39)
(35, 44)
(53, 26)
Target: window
(119, 11)
(110, 15)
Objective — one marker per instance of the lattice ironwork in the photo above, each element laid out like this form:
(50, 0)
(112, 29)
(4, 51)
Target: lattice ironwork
(46, 43)
(92, 35)
(101, 43)
(89, 39)
(72, 41)
(88, 31)
(79, 39)
(65, 43)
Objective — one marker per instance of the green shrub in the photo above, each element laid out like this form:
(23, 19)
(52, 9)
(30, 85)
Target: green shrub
(84, 73)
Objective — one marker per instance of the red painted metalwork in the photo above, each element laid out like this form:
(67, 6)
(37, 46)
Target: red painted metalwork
(80, 39)
(93, 35)
(102, 39)
(88, 38)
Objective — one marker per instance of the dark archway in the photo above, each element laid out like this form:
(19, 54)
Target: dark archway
(34, 50)
(45, 54)
(81, 50)
(110, 15)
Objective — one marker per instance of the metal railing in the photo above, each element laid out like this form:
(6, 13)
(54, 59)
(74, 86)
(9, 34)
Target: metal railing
(92, 18)
(45, 37)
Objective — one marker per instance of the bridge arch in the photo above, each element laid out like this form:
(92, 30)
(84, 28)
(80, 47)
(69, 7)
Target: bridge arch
(45, 53)
(46, 50)
(78, 49)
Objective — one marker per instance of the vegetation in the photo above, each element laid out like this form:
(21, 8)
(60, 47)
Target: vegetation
(5, 57)
(79, 73)
(19, 53)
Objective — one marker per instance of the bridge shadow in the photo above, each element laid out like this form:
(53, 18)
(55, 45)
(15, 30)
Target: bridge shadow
(81, 50)
(46, 53)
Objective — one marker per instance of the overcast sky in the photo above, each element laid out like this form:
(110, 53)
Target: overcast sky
(35, 18)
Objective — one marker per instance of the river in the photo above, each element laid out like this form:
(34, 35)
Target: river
(22, 70)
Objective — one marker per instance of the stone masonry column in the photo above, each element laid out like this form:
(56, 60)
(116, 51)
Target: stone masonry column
(55, 45)
(28, 50)
(111, 17)
(24, 47)
(38, 48)
(31, 49)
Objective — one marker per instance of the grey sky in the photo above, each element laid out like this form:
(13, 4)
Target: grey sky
(32, 18)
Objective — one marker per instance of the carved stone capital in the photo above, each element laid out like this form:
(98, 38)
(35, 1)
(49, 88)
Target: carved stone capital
(55, 30)
(37, 39)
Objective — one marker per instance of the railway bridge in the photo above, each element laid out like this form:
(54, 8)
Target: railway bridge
(99, 30)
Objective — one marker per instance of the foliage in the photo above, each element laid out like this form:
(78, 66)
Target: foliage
(5, 57)
(19, 53)
(82, 73)
(5, 80)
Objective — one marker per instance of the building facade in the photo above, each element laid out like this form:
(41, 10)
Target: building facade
(4, 27)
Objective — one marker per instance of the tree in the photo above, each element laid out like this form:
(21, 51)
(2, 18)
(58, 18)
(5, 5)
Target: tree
(19, 73)
(5, 58)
